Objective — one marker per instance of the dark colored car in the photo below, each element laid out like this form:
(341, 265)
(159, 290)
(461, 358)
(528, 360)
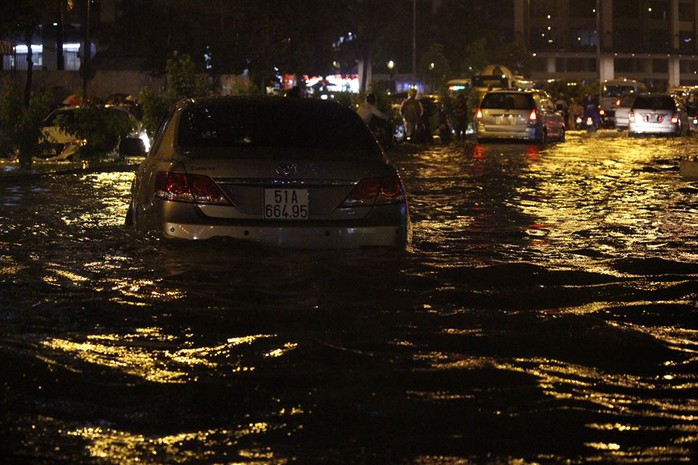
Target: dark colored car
(287, 172)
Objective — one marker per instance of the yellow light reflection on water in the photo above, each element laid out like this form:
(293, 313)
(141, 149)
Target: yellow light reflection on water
(69, 276)
(8, 266)
(124, 448)
(157, 357)
(142, 291)
(112, 208)
(614, 393)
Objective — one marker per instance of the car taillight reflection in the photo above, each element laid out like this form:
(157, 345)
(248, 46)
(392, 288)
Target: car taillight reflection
(376, 191)
(191, 188)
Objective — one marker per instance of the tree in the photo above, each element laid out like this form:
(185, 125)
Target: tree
(183, 81)
(435, 66)
(21, 124)
(372, 24)
(256, 37)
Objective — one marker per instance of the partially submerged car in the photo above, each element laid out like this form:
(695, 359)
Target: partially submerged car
(657, 114)
(622, 110)
(62, 144)
(287, 172)
(519, 115)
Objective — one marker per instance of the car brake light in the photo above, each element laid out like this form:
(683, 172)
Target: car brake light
(376, 191)
(192, 188)
(533, 116)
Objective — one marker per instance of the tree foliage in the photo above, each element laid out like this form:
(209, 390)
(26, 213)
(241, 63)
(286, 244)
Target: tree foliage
(101, 129)
(267, 37)
(21, 124)
(183, 81)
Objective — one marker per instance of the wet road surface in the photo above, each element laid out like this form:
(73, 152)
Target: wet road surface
(546, 313)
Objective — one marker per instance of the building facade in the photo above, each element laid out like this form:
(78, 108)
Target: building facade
(649, 40)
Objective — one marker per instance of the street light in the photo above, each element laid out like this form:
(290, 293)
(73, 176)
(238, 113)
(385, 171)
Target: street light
(391, 68)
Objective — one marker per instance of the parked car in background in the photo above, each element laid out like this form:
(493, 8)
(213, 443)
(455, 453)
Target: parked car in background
(657, 114)
(519, 114)
(688, 96)
(622, 109)
(287, 172)
(62, 144)
(435, 120)
(434, 126)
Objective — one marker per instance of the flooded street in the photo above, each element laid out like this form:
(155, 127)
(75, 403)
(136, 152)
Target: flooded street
(546, 313)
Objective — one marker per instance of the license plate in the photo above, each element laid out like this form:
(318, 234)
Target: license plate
(286, 204)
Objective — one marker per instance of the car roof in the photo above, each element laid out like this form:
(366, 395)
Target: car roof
(285, 102)
(68, 110)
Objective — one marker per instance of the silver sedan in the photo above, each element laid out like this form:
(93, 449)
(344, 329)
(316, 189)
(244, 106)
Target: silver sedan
(287, 172)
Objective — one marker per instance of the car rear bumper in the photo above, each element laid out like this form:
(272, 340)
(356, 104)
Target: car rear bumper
(635, 129)
(295, 237)
(504, 132)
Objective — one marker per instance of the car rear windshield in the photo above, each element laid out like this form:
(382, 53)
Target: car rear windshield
(274, 124)
(654, 102)
(618, 90)
(507, 101)
(66, 116)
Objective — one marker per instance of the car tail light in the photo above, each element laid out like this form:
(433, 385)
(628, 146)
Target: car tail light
(631, 116)
(533, 116)
(376, 191)
(618, 103)
(192, 188)
(478, 114)
(675, 118)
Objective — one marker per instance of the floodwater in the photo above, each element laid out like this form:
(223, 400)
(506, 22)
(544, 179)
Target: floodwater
(546, 313)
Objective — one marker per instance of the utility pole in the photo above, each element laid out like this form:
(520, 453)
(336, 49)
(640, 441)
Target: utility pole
(60, 61)
(86, 51)
(414, 42)
(598, 45)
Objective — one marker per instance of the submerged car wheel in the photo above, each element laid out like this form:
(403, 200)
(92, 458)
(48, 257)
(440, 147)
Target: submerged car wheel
(543, 138)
